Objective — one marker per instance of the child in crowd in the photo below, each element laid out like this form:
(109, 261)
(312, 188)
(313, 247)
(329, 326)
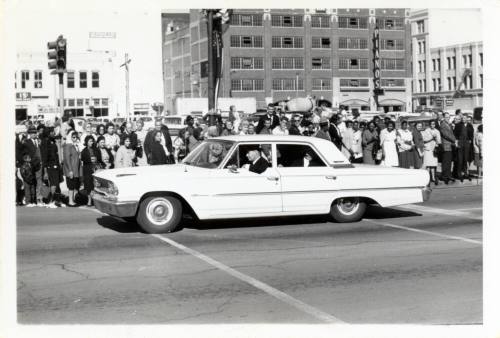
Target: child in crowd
(29, 178)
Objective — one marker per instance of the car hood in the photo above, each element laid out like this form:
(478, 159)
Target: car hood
(148, 171)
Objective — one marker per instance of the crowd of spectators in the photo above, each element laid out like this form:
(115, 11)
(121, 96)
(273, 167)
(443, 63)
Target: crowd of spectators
(46, 153)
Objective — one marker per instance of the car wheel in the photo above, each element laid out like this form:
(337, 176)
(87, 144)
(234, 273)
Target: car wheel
(158, 214)
(347, 209)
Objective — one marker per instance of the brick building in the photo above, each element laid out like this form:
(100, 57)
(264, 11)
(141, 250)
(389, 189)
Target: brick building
(285, 53)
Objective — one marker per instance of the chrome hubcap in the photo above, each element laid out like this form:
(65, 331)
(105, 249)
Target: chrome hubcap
(159, 211)
(348, 206)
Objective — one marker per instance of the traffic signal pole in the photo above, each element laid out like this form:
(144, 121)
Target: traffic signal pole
(61, 94)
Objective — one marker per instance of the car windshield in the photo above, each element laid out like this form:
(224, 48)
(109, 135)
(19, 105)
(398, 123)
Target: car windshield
(209, 154)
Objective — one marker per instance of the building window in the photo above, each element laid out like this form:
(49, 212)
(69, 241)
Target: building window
(433, 65)
(419, 86)
(423, 66)
(319, 42)
(104, 102)
(71, 102)
(425, 85)
(448, 60)
(481, 80)
(353, 83)
(420, 26)
(434, 88)
(70, 79)
(288, 84)
(353, 43)
(321, 63)
(439, 65)
(353, 63)
(454, 62)
(419, 48)
(353, 23)
(454, 82)
(464, 60)
(420, 66)
(439, 84)
(287, 63)
(394, 64)
(481, 59)
(83, 79)
(321, 84)
(247, 85)
(97, 102)
(25, 76)
(320, 21)
(87, 101)
(245, 20)
(95, 79)
(247, 63)
(38, 79)
(392, 82)
(287, 20)
(470, 60)
(287, 42)
(448, 79)
(390, 23)
(423, 47)
(246, 41)
(79, 102)
(392, 44)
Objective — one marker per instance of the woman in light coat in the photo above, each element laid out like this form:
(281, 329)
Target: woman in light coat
(125, 155)
(432, 139)
(388, 143)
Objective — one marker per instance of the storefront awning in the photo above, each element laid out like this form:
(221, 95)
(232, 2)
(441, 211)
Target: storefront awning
(391, 102)
(354, 102)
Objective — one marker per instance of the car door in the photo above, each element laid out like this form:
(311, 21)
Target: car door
(307, 186)
(238, 192)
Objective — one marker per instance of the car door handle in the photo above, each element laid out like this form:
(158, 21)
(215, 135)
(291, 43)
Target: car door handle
(331, 177)
(273, 178)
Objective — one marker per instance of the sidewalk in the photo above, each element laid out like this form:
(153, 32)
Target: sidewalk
(458, 184)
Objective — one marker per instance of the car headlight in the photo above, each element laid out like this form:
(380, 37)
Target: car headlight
(112, 189)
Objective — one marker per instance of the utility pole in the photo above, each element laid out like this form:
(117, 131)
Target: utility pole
(127, 100)
(211, 92)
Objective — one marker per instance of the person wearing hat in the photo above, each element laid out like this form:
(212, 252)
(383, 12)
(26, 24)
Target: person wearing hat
(323, 129)
(33, 147)
(51, 164)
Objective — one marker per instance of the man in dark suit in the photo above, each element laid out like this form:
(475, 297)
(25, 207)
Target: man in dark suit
(257, 163)
(32, 147)
(294, 128)
(448, 141)
(165, 141)
(464, 133)
(271, 115)
(334, 131)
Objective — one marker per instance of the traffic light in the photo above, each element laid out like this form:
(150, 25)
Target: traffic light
(57, 55)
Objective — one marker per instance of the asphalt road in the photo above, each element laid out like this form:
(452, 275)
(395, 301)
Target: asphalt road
(413, 264)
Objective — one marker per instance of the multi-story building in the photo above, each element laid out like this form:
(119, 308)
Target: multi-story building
(88, 85)
(276, 54)
(449, 77)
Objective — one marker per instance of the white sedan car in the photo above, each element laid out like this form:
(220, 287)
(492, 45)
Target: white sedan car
(255, 176)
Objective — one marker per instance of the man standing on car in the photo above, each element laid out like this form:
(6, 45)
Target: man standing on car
(165, 141)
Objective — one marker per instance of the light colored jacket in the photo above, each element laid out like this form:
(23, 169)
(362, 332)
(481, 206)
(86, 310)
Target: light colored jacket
(124, 157)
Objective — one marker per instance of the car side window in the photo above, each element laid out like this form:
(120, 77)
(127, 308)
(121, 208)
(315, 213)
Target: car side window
(240, 157)
(298, 155)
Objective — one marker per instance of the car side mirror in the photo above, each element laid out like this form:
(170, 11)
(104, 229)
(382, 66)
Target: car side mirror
(233, 169)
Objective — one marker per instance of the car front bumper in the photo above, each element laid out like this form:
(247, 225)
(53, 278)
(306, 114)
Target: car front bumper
(426, 193)
(115, 208)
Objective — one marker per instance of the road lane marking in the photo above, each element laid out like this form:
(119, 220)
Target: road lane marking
(323, 316)
(447, 212)
(432, 233)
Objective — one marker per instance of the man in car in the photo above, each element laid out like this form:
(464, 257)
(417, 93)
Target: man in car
(257, 163)
(306, 160)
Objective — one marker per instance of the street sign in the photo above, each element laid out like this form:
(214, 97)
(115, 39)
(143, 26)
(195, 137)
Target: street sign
(449, 102)
(23, 96)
